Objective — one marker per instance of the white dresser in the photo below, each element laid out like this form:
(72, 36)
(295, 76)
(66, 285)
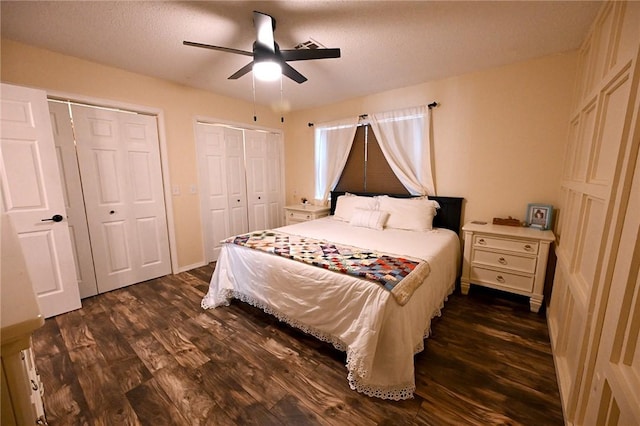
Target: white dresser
(508, 258)
(303, 212)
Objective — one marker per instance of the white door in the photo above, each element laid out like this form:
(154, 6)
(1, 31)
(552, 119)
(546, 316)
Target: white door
(32, 196)
(73, 198)
(257, 194)
(119, 159)
(214, 202)
(223, 199)
(236, 180)
(275, 179)
(615, 396)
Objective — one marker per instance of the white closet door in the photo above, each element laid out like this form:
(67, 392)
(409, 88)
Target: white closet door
(119, 160)
(73, 198)
(222, 186)
(32, 195)
(236, 180)
(275, 180)
(257, 185)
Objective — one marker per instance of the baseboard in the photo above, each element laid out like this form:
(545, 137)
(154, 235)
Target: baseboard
(190, 267)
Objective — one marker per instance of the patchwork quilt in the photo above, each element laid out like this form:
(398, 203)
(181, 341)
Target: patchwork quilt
(400, 276)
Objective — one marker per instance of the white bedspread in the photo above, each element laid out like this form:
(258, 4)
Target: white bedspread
(355, 315)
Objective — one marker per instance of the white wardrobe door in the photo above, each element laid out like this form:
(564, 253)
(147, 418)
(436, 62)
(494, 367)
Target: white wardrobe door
(32, 194)
(73, 198)
(119, 160)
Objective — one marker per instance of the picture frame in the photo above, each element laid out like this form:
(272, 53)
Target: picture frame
(539, 215)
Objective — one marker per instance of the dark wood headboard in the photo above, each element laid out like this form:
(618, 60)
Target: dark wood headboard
(449, 213)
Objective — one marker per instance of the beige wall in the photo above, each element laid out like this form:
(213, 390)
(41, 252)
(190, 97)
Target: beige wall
(29, 66)
(499, 134)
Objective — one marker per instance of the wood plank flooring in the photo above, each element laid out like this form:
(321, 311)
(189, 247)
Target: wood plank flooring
(149, 355)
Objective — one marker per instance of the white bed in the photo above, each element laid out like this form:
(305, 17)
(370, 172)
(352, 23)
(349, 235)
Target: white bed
(357, 316)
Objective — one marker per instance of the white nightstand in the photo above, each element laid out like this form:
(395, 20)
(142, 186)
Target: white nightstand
(508, 258)
(303, 212)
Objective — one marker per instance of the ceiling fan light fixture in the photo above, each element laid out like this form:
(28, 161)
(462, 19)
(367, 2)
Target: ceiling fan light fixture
(267, 70)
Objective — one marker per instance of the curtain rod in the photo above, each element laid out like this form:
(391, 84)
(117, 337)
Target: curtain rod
(363, 116)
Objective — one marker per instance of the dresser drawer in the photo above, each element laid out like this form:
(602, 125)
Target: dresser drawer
(505, 261)
(501, 279)
(515, 245)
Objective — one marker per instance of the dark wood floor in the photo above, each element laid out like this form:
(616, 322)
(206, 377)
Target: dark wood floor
(148, 354)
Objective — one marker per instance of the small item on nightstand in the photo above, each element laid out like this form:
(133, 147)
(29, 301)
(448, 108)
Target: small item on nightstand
(508, 221)
(479, 222)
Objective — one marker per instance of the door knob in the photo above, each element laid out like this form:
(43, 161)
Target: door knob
(54, 218)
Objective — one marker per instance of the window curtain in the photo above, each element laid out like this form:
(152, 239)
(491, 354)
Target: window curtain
(404, 138)
(332, 145)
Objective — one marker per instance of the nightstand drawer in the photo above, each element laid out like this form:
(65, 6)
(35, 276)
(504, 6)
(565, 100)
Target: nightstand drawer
(501, 279)
(299, 216)
(521, 246)
(505, 261)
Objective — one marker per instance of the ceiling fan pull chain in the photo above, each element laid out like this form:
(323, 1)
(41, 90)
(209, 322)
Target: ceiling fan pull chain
(281, 104)
(253, 85)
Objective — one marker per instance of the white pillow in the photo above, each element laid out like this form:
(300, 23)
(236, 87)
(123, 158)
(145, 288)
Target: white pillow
(374, 219)
(409, 213)
(346, 206)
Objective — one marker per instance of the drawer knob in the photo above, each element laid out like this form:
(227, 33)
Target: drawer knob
(482, 241)
(528, 247)
(502, 261)
(308, 217)
(500, 278)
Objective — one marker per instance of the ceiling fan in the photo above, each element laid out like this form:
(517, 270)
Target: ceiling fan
(267, 54)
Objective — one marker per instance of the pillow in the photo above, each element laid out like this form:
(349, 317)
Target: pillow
(374, 219)
(347, 204)
(409, 213)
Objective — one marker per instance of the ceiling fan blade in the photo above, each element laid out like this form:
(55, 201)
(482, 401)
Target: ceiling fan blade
(242, 71)
(265, 25)
(294, 75)
(222, 49)
(307, 54)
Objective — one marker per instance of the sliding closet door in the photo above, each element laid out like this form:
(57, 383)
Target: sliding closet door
(119, 159)
(73, 197)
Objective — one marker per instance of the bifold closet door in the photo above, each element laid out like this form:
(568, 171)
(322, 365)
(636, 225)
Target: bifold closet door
(223, 199)
(119, 160)
(32, 197)
(264, 179)
(73, 197)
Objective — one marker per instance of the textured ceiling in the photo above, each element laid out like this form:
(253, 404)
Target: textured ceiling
(385, 44)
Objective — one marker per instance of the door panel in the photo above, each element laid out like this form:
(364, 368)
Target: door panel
(236, 180)
(256, 159)
(32, 193)
(119, 161)
(74, 200)
(223, 199)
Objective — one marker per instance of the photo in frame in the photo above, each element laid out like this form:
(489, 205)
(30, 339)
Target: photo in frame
(539, 215)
